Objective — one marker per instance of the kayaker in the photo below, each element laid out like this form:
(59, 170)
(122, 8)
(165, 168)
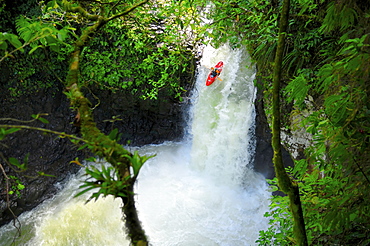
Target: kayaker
(215, 72)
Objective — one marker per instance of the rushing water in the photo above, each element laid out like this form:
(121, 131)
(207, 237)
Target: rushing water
(201, 191)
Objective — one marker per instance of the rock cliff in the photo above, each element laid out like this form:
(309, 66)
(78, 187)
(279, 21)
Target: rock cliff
(140, 122)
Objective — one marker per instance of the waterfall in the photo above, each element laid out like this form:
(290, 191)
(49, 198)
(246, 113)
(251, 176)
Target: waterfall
(200, 191)
(203, 191)
(223, 116)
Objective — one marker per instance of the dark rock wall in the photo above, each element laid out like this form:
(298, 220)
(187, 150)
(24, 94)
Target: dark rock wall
(47, 153)
(264, 152)
(140, 122)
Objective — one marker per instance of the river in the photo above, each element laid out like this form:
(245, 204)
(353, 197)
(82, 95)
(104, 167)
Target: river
(199, 191)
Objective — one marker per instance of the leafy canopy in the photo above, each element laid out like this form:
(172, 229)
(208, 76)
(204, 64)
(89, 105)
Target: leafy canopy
(326, 92)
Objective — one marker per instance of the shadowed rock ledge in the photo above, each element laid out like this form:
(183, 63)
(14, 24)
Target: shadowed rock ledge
(140, 122)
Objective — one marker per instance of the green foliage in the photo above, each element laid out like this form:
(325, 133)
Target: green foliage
(327, 60)
(280, 231)
(339, 16)
(132, 55)
(231, 20)
(149, 54)
(144, 59)
(36, 34)
(21, 166)
(44, 44)
(329, 201)
(12, 39)
(16, 186)
(298, 89)
(10, 11)
(4, 132)
(45, 174)
(137, 162)
(114, 135)
(30, 74)
(106, 181)
(38, 117)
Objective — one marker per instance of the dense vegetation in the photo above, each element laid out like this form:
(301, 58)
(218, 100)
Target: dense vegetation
(144, 54)
(324, 92)
(143, 47)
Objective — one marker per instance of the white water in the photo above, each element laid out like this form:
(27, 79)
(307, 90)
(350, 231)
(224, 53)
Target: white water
(200, 191)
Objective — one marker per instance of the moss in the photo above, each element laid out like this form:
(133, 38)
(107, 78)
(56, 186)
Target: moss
(285, 183)
(99, 143)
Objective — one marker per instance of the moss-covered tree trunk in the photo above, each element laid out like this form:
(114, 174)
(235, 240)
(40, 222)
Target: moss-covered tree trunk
(102, 145)
(285, 183)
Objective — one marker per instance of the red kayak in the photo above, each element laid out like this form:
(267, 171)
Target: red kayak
(212, 76)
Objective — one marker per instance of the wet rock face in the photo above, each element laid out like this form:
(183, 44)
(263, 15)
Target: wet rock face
(140, 122)
(264, 152)
(47, 153)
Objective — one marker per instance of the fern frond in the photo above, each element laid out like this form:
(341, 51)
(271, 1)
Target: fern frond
(297, 89)
(348, 17)
(338, 16)
(331, 100)
(23, 29)
(326, 77)
(329, 24)
(336, 108)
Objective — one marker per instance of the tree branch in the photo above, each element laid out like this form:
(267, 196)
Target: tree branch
(63, 134)
(20, 48)
(104, 147)
(69, 8)
(284, 181)
(127, 11)
(15, 221)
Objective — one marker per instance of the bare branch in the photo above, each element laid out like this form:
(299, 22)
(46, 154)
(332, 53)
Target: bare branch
(15, 221)
(127, 11)
(63, 134)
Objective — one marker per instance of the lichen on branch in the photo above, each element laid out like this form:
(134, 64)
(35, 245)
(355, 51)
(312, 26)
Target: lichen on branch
(100, 144)
(285, 183)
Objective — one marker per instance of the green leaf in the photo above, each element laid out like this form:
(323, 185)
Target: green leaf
(12, 130)
(20, 186)
(297, 89)
(45, 174)
(3, 45)
(14, 161)
(82, 147)
(55, 48)
(43, 120)
(95, 173)
(84, 191)
(137, 161)
(13, 39)
(315, 200)
(38, 117)
(113, 134)
(91, 159)
(121, 194)
(34, 49)
(51, 40)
